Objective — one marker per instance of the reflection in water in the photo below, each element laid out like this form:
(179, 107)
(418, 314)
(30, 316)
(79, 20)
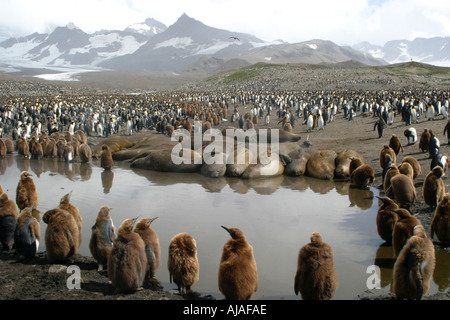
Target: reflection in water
(385, 259)
(107, 180)
(441, 275)
(277, 214)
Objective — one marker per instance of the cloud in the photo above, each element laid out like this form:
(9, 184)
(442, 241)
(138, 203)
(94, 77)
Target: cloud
(344, 22)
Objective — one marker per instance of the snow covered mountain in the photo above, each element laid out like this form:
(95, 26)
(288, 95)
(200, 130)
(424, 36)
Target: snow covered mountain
(188, 45)
(435, 51)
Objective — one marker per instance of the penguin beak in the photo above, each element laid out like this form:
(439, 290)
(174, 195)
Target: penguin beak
(232, 234)
(153, 219)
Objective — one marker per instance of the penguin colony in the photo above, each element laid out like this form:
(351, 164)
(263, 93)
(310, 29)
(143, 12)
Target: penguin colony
(401, 228)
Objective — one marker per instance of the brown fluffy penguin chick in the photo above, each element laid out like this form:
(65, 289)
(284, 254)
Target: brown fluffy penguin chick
(152, 248)
(238, 274)
(26, 192)
(106, 160)
(433, 187)
(102, 237)
(183, 262)
(363, 176)
(8, 216)
(85, 153)
(414, 266)
(61, 236)
(65, 204)
(27, 236)
(440, 226)
(127, 263)
(316, 277)
(403, 190)
(387, 154)
(386, 218)
(415, 165)
(391, 172)
(424, 142)
(395, 144)
(403, 229)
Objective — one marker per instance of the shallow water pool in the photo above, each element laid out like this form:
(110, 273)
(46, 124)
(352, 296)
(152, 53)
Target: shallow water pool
(277, 216)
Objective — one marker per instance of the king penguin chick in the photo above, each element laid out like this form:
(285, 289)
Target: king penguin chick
(238, 275)
(102, 237)
(106, 160)
(8, 216)
(403, 229)
(433, 187)
(26, 192)
(440, 226)
(27, 235)
(151, 241)
(61, 235)
(414, 266)
(386, 218)
(127, 263)
(65, 204)
(316, 277)
(183, 262)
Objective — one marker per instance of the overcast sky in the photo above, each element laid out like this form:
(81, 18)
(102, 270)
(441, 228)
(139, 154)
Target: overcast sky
(341, 21)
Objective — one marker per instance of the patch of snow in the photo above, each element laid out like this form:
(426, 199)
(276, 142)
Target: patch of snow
(178, 43)
(211, 49)
(312, 46)
(268, 58)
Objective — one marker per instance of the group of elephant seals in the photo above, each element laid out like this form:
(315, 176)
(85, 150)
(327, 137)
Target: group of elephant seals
(237, 158)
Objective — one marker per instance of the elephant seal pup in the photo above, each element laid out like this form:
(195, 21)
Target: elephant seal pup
(321, 165)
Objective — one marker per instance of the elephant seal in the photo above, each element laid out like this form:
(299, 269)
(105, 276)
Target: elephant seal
(162, 160)
(321, 164)
(295, 163)
(240, 160)
(343, 160)
(114, 144)
(143, 147)
(274, 167)
(212, 168)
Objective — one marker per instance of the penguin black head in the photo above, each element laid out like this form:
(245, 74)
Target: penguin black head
(438, 171)
(235, 233)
